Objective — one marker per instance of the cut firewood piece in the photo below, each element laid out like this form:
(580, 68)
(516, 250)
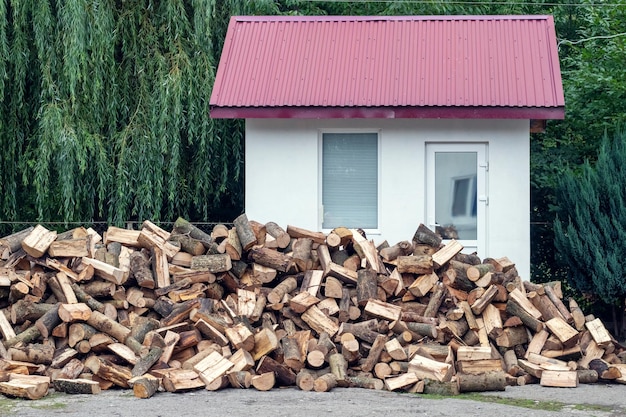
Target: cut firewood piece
(556, 297)
(443, 255)
(106, 271)
(285, 287)
(215, 263)
(265, 342)
(566, 333)
(312, 281)
(343, 274)
(319, 321)
(565, 379)
(366, 250)
(479, 366)
(481, 303)
(426, 236)
(38, 241)
(423, 284)
(577, 315)
(245, 233)
(179, 380)
(76, 386)
(446, 388)
(425, 368)
(240, 337)
(281, 237)
(488, 381)
(537, 342)
(212, 367)
(118, 375)
(380, 309)
(605, 370)
(599, 332)
(272, 258)
(415, 264)
(284, 375)
(530, 368)
(69, 248)
(400, 382)
(264, 382)
(25, 387)
(512, 336)
(70, 313)
(124, 236)
(144, 386)
(473, 353)
(301, 302)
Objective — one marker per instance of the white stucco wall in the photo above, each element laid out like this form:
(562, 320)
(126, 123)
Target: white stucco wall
(282, 161)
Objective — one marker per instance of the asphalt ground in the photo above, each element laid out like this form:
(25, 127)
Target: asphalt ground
(597, 400)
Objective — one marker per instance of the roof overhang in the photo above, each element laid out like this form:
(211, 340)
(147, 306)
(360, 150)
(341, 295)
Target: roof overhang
(431, 112)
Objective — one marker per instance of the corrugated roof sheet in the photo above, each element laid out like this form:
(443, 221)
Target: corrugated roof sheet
(399, 66)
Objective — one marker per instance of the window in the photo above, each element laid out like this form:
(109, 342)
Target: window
(350, 180)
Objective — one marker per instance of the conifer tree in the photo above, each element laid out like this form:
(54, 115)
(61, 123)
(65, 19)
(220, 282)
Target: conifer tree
(590, 231)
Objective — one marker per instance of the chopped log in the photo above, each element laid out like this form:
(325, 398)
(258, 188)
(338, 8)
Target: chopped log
(473, 353)
(426, 236)
(13, 242)
(400, 382)
(25, 389)
(302, 253)
(246, 235)
(556, 299)
(481, 366)
(118, 375)
(415, 264)
(366, 286)
(27, 336)
(435, 300)
(213, 263)
(391, 253)
(285, 287)
(140, 269)
(446, 388)
(577, 315)
(70, 313)
(265, 342)
(599, 332)
(374, 353)
(587, 376)
(325, 383)
(489, 381)
(423, 284)
(424, 368)
(38, 241)
(212, 367)
(279, 234)
(512, 336)
(319, 321)
(481, 303)
(284, 376)
(45, 323)
(106, 271)
(144, 386)
(514, 309)
(264, 382)
(76, 386)
(566, 379)
(566, 334)
(34, 353)
(297, 232)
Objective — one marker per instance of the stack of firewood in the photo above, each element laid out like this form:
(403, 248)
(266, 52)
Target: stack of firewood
(254, 305)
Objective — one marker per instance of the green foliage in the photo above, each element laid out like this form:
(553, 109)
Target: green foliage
(590, 231)
(106, 115)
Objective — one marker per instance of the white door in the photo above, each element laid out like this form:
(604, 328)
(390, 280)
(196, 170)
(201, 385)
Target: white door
(456, 193)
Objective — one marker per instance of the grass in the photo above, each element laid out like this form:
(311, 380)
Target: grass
(523, 403)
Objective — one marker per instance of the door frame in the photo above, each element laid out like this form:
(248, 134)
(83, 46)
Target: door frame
(480, 245)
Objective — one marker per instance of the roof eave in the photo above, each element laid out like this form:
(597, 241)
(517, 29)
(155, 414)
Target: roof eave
(404, 112)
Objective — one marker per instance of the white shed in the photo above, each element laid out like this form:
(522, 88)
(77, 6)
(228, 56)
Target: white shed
(383, 123)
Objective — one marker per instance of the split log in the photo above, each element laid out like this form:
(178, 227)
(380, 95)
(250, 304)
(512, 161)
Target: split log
(76, 386)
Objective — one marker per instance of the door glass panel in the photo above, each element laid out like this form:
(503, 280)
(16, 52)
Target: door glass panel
(456, 194)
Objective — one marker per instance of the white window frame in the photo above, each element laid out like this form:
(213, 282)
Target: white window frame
(482, 154)
(320, 182)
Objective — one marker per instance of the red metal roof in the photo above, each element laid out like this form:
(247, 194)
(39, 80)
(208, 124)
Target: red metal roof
(389, 66)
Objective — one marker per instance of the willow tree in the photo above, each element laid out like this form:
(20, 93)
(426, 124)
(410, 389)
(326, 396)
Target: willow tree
(105, 111)
(590, 232)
